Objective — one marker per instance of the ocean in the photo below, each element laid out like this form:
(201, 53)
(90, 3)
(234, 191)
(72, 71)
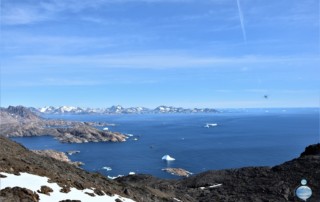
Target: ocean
(242, 137)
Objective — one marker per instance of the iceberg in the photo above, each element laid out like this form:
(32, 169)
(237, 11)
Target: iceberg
(208, 125)
(107, 168)
(105, 128)
(168, 158)
(132, 173)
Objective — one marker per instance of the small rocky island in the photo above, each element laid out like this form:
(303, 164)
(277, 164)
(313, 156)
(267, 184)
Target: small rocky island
(178, 172)
(20, 122)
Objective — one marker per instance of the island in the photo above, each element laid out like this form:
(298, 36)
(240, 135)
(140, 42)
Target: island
(177, 171)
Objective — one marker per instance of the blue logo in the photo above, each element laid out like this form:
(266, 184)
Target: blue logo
(303, 192)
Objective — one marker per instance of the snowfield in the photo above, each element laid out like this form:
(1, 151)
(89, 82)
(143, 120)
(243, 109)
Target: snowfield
(34, 182)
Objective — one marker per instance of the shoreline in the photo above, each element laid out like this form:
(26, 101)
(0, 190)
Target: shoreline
(275, 183)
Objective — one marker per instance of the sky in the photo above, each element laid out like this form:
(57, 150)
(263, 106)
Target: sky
(186, 53)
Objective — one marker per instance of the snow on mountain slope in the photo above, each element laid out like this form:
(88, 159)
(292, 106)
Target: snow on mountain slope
(34, 182)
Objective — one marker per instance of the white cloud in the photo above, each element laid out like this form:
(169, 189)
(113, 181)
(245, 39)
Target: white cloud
(17, 13)
(147, 60)
(21, 15)
(32, 11)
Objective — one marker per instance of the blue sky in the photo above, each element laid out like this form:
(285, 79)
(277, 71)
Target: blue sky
(189, 53)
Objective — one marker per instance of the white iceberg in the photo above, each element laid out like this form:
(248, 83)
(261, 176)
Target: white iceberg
(105, 128)
(168, 158)
(132, 173)
(208, 125)
(107, 168)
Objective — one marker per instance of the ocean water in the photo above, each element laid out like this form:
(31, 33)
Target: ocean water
(255, 137)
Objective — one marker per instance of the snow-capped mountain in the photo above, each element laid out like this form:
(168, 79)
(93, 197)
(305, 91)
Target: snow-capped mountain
(117, 109)
(166, 109)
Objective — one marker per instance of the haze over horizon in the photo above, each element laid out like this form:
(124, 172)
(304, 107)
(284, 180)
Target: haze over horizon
(183, 53)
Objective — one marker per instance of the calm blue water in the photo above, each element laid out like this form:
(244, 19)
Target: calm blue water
(242, 138)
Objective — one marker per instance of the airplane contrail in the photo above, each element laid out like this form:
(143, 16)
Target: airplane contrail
(242, 22)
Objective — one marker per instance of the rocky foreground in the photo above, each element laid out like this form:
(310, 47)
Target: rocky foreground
(245, 184)
(20, 121)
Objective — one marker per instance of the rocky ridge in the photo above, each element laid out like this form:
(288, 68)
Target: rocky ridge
(274, 184)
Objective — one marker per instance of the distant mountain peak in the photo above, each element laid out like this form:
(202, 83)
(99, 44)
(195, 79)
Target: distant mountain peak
(17, 114)
(118, 109)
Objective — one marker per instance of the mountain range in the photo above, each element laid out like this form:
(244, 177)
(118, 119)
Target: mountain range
(120, 110)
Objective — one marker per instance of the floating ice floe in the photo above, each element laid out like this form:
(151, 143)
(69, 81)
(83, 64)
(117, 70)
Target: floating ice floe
(168, 158)
(130, 135)
(107, 168)
(208, 125)
(105, 128)
(34, 182)
(135, 139)
(132, 173)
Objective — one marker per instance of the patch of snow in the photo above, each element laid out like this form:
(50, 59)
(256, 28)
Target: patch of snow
(168, 158)
(67, 108)
(112, 178)
(214, 186)
(210, 187)
(34, 182)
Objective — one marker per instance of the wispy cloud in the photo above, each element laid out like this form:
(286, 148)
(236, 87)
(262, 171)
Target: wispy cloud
(76, 81)
(242, 21)
(22, 15)
(28, 12)
(25, 42)
(145, 60)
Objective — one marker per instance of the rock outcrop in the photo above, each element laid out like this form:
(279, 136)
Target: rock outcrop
(61, 156)
(45, 190)
(18, 194)
(177, 171)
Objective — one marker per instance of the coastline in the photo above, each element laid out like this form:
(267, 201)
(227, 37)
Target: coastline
(245, 184)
